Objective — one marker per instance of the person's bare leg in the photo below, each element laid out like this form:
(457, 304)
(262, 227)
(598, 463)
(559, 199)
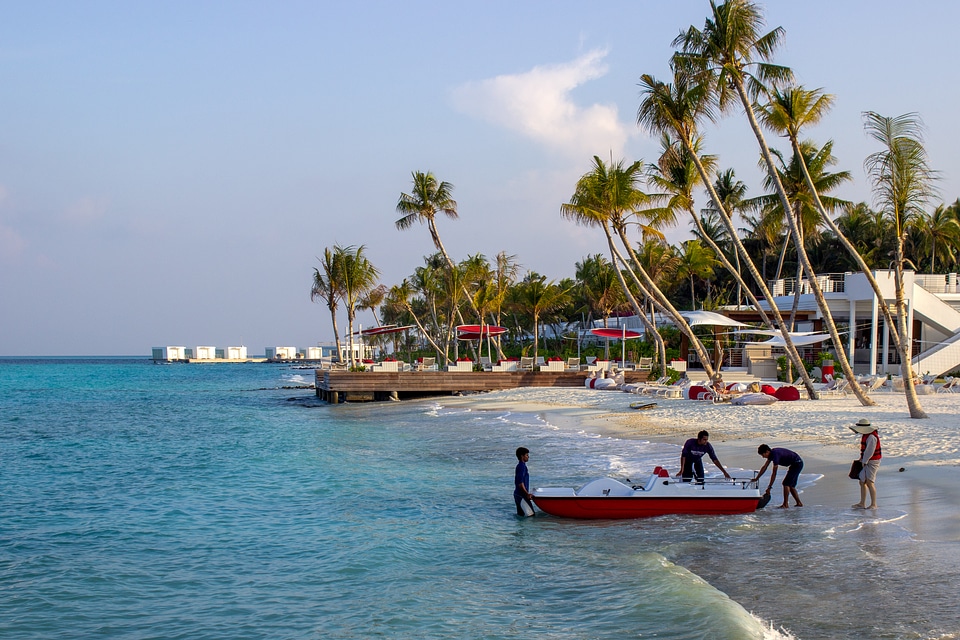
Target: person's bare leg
(786, 498)
(872, 487)
(796, 496)
(863, 497)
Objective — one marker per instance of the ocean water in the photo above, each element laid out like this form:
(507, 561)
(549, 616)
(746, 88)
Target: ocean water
(220, 501)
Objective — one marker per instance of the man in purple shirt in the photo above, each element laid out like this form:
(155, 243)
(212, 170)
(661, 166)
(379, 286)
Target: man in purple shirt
(786, 458)
(691, 457)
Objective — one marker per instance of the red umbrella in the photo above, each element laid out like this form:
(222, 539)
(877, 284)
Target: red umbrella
(621, 333)
(485, 330)
(613, 332)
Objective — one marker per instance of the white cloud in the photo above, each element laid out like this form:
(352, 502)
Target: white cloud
(538, 105)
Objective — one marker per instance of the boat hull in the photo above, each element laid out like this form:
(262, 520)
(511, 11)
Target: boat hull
(591, 508)
(660, 495)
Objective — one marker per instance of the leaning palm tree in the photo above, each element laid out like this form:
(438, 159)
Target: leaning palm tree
(358, 277)
(679, 107)
(731, 55)
(428, 198)
(903, 185)
(327, 286)
(605, 197)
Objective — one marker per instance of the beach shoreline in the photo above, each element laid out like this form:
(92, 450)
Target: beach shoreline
(917, 484)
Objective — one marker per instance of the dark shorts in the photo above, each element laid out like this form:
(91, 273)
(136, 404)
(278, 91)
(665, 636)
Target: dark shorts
(793, 474)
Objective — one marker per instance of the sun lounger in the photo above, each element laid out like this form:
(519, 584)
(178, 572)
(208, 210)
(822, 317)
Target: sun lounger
(645, 364)
(573, 364)
(427, 364)
(486, 364)
(526, 364)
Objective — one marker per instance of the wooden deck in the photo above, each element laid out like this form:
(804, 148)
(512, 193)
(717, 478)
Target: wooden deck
(366, 386)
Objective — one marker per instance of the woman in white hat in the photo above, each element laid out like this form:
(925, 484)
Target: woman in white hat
(870, 459)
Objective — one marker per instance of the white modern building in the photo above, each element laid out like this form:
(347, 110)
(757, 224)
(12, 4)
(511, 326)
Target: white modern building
(235, 353)
(205, 353)
(933, 318)
(169, 353)
(281, 353)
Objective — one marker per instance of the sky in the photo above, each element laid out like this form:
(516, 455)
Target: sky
(169, 172)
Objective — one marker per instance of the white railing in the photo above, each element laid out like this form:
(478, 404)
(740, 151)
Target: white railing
(829, 283)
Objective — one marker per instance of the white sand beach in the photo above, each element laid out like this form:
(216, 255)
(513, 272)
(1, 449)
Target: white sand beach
(916, 478)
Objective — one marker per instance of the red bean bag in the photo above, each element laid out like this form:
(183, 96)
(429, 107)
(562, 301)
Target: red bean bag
(767, 389)
(695, 391)
(787, 393)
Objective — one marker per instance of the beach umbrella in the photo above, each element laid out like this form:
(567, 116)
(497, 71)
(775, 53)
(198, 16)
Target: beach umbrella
(623, 333)
(478, 332)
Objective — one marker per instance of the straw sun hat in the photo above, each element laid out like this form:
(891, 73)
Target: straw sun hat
(863, 426)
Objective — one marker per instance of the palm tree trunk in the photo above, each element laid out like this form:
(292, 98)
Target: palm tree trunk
(651, 328)
(864, 399)
(652, 291)
(906, 346)
(336, 331)
(789, 347)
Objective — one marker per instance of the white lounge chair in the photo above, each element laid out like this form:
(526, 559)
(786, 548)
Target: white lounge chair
(645, 364)
(486, 364)
(427, 364)
(526, 364)
(573, 364)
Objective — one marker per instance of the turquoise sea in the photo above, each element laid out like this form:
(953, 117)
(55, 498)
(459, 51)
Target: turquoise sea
(220, 501)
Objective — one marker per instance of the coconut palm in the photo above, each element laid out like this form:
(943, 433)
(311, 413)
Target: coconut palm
(696, 262)
(358, 277)
(605, 197)
(939, 232)
(535, 296)
(679, 107)
(428, 198)
(732, 194)
(599, 285)
(902, 187)
(731, 55)
(327, 286)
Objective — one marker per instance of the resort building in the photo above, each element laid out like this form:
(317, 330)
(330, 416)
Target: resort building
(933, 318)
(169, 353)
(280, 353)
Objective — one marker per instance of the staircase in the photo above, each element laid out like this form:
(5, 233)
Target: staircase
(945, 356)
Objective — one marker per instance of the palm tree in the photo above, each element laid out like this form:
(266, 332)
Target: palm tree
(902, 185)
(939, 230)
(732, 193)
(536, 296)
(428, 198)
(600, 287)
(358, 277)
(678, 107)
(327, 286)
(604, 197)
(731, 56)
(695, 262)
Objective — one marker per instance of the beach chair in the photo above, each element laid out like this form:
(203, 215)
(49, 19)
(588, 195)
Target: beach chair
(486, 364)
(839, 388)
(951, 385)
(645, 364)
(573, 364)
(539, 362)
(427, 364)
(526, 364)
(874, 384)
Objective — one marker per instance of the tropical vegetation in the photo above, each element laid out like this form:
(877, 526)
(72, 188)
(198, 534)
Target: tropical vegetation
(794, 228)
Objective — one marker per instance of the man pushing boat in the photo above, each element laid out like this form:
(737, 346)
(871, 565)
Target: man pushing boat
(691, 458)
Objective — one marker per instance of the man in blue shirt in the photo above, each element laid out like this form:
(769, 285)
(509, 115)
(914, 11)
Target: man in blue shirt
(521, 484)
(782, 457)
(691, 457)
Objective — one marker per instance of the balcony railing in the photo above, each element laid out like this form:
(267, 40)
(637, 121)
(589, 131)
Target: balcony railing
(829, 283)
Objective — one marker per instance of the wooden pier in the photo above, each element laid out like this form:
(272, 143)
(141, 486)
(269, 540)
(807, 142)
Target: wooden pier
(366, 386)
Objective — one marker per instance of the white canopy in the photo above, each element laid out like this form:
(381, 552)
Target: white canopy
(695, 318)
(777, 341)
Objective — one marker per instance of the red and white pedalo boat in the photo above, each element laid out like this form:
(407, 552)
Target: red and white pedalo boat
(606, 498)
